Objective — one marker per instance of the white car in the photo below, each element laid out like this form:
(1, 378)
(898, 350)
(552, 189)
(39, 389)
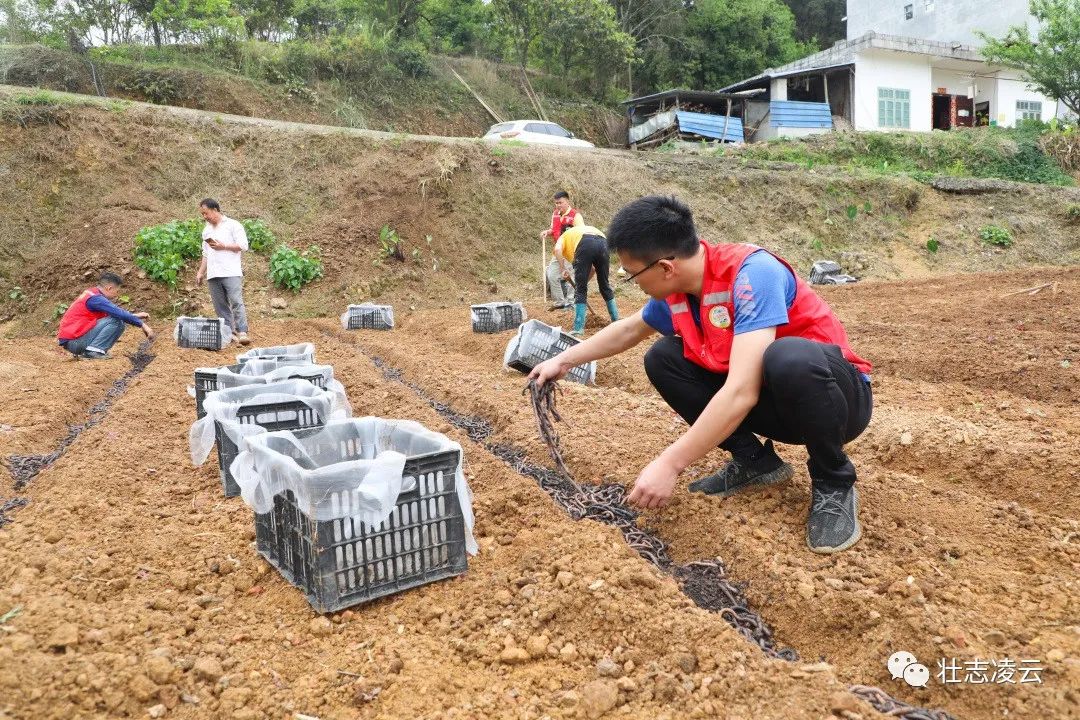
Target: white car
(535, 132)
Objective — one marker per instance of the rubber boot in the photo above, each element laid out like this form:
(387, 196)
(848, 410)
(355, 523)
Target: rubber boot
(579, 320)
(613, 309)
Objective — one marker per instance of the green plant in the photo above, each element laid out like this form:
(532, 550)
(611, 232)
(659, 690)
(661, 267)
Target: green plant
(816, 244)
(852, 211)
(291, 269)
(163, 250)
(59, 310)
(932, 244)
(16, 294)
(260, 238)
(996, 235)
(390, 244)
(1073, 212)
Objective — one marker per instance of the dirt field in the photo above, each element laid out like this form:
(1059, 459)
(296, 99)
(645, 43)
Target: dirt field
(138, 584)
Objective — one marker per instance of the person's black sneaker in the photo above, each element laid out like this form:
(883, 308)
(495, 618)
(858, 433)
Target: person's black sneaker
(738, 475)
(833, 524)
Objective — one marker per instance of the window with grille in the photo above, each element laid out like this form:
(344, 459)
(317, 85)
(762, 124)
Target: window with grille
(1028, 110)
(894, 108)
(928, 5)
(909, 12)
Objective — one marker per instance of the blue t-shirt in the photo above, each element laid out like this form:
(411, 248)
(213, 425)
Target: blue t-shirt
(764, 290)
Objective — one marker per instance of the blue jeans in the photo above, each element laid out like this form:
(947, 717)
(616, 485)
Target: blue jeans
(100, 338)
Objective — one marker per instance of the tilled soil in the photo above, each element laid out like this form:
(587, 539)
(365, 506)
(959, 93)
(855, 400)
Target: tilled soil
(138, 585)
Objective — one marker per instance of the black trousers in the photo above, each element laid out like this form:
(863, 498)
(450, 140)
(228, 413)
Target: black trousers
(592, 252)
(810, 396)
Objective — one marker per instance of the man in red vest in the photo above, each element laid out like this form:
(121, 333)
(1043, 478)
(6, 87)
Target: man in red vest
(93, 322)
(563, 218)
(748, 349)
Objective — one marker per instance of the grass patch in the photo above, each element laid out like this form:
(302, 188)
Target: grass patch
(1002, 153)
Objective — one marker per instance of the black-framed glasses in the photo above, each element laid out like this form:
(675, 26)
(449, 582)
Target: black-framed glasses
(628, 278)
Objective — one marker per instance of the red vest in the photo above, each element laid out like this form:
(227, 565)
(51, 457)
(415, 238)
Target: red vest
(709, 346)
(559, 223)
(78, 319)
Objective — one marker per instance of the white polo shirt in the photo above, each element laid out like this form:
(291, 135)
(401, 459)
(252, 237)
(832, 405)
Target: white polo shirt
(223, 263)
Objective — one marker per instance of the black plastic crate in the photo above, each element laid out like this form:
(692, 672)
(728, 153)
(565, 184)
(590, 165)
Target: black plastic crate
(369, 317)
(496, 317)
(537, 342)
(290, 415)
(207, 381)
(199, 332)
(340, 563)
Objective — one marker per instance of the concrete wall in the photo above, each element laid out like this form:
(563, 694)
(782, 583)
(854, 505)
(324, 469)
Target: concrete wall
(877, 68)
(1008, 89)
(944, 20)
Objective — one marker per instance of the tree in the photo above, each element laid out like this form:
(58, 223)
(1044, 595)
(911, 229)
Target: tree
(1051, 62)
(819, 21)
(729, 40)
(580, 32)
(653, 25)
(523, 21)
(459, 26)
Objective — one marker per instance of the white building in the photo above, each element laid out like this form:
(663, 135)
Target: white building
(951, 21)
(880, 81)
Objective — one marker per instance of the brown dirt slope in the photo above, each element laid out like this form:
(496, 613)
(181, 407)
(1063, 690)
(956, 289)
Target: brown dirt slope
(81, 180)
(138, 585)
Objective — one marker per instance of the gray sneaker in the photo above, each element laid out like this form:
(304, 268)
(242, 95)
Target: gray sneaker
(833, 524)
(739, 475)
(95, 355)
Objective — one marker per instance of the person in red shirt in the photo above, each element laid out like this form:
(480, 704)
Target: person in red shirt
(563, 217)
(749, 350)
(93, 322)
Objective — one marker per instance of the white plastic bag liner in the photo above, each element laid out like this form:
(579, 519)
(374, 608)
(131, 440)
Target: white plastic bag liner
(300, 352)
(329, 488)
(189, 331)
(536, 342)
(500, 313)
(261, 372)
(222, 406)
(375, 317)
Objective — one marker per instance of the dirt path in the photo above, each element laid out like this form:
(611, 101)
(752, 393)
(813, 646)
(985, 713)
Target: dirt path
(138, 584)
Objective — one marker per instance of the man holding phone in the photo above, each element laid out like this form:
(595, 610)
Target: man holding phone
(223, 241)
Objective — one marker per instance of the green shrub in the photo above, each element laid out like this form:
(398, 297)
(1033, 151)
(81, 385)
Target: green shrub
(390, 244)
(260, 238)
(996, 235)
(1073, 212)
(292, 270)
(163, 250)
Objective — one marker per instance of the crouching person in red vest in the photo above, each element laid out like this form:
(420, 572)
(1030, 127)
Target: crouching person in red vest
(93, 323)
(748, 350)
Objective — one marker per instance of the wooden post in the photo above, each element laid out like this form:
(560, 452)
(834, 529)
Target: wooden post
(543, 266)
(825, 79)
(727, 117)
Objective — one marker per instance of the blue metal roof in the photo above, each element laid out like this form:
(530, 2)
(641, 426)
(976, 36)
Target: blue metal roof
(792, 113)
(711, 126)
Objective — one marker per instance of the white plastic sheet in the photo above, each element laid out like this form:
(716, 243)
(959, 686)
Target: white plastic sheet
(261, 372)
(189, 331)
(536, 342)
(300, 352)
(328, 487)
(368, 316)
(222, 406)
